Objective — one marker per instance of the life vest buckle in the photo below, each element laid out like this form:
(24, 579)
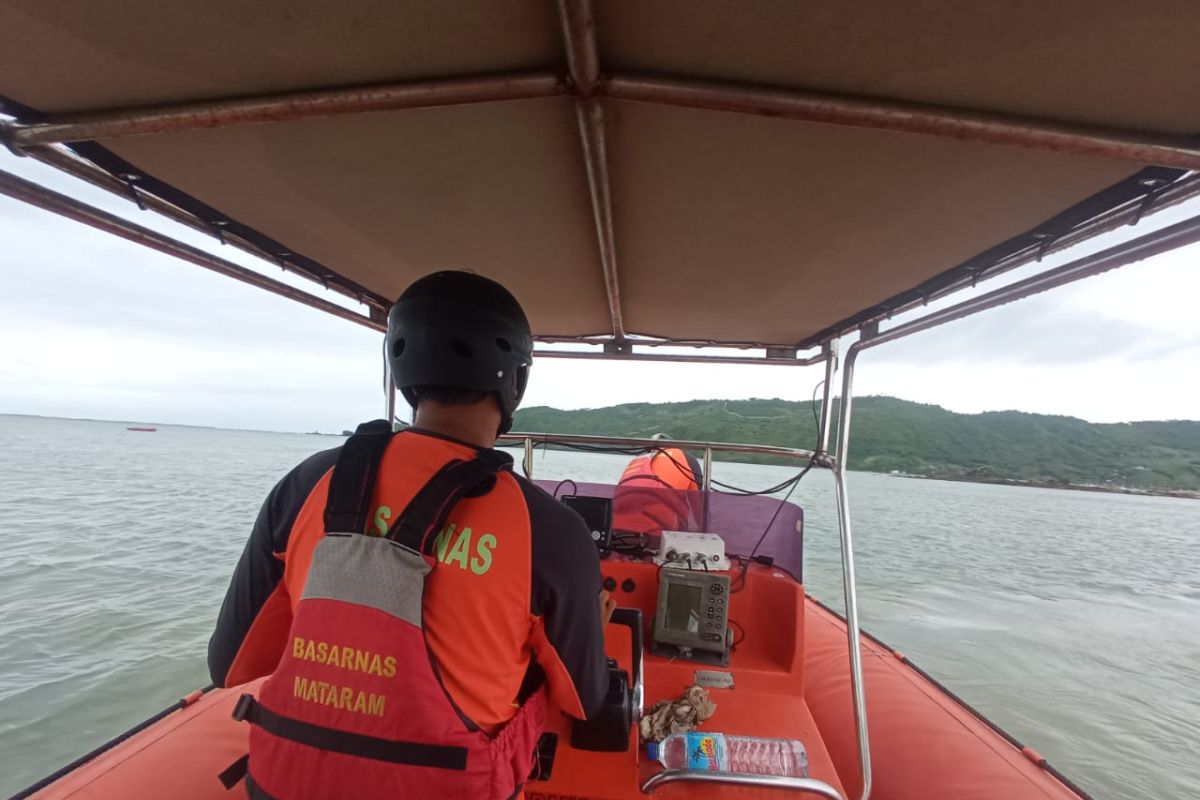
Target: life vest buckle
(244, 704)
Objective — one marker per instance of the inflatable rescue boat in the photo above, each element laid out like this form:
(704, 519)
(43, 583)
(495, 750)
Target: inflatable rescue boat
(718, 182)
(782, 672)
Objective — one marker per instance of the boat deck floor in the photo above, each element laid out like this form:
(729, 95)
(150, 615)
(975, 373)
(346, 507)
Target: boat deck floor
(181, 755)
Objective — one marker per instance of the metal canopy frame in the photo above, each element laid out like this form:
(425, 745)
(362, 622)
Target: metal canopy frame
(1155, 243)
(35, 195)
(591, 89)
(375, 319)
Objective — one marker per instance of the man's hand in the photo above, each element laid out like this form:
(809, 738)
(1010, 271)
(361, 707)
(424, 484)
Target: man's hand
(607, 605)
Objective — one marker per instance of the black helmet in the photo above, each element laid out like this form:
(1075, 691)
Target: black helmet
(460, 330)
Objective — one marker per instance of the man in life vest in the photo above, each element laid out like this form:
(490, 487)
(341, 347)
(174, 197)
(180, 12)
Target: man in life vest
(415, 604)
(659, 491)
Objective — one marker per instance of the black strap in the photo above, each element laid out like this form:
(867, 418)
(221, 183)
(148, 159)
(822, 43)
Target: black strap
(255, 791)
(230, 776)
(642, 477)
(354, 477)
(351, 744)
(432, 505)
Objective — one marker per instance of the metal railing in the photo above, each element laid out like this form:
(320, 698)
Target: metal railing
(531, 440)
(806, 785)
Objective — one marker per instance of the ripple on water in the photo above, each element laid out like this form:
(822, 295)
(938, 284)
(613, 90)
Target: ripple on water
(1070, 618)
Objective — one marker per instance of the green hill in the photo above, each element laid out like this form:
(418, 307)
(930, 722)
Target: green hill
(915, 438)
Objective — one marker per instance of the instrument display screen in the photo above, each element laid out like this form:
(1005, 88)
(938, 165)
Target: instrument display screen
(597, 514)
(683, 607)
(691, 619)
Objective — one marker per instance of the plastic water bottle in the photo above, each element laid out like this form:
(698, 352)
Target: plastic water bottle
(716, 752)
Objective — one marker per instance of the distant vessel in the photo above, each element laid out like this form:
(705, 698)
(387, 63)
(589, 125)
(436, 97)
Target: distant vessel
(144, 430)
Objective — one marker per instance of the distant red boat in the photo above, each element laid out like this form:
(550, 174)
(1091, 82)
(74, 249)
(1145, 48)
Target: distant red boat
(145, 430)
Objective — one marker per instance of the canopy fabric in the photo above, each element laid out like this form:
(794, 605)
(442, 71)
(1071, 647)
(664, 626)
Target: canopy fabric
(731, 228)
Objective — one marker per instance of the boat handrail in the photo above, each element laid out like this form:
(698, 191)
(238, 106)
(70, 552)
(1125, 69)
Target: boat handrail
(806, 785)
(633, 442)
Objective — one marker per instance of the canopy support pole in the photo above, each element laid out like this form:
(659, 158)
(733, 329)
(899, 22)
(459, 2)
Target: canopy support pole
(1164, 240)
(286, 107)
(1117, 144)
(127, 189)
(586, 85)
(849, 580)
(583, 63)
(389, 389)
(641, 355)
(40, 197)
(830, 353)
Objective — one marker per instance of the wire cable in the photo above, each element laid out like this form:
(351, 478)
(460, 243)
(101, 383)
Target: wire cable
(563, 482)
(737, 639)
(741, 582)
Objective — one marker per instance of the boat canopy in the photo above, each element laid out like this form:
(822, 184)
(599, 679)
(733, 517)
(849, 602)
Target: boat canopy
(679, 171)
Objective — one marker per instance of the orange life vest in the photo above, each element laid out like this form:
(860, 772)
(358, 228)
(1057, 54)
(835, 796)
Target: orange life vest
(356, 706)
(657, 491)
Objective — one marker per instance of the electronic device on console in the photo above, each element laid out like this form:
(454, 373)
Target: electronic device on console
(704, 551)
(597, 513)
(693, 616)
(609, 727)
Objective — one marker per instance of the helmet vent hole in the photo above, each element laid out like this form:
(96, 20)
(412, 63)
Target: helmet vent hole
(397, 348)
(503, 344)
(460, 348)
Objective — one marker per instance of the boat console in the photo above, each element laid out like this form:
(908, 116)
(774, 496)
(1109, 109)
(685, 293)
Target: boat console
(737, 631)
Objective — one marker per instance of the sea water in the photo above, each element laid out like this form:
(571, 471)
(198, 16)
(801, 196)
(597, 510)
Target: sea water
(1071, 619)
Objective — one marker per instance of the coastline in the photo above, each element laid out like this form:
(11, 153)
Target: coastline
(1184, 494)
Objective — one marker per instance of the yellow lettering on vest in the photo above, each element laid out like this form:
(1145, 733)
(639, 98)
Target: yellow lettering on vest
(383, 515)
(458, 554)
(344, 657)
(443, 541)
(482, 562)
(343, 698)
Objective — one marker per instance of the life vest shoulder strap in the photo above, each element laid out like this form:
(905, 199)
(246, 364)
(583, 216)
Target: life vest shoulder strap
(354, 477)
(431, 506)
(352, 485)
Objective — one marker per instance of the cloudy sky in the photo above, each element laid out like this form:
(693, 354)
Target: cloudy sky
(92, 326)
